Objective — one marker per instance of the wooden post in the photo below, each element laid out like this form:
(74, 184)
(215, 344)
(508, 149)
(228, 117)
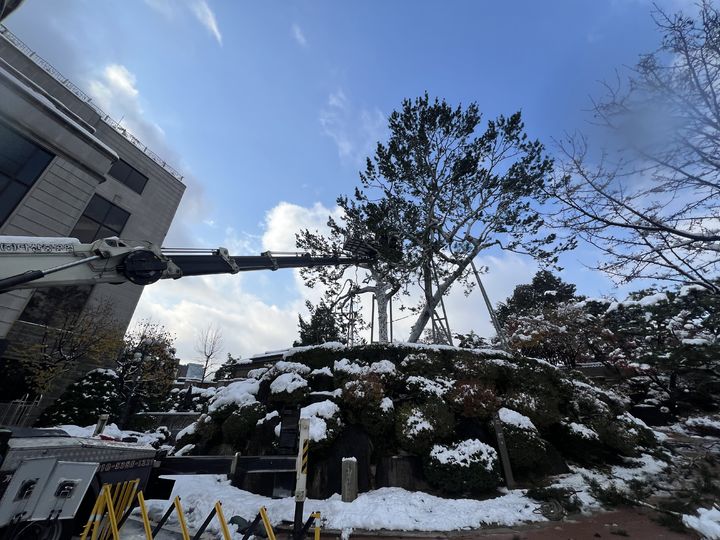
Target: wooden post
(504, 456)
(349, 479)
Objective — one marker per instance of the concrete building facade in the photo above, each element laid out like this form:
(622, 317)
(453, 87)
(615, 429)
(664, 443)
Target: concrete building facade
(68, 170)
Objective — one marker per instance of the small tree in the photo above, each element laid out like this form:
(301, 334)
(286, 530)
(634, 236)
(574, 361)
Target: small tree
(227, 368)
(209, 344)
(83, 401)
(545, 319)
(146, 369)
(321, 328)
(87, 337)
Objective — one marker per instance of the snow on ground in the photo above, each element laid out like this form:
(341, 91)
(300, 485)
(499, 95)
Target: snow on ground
(707, 522)
(399, 509)
(645, 467)
(385, 508)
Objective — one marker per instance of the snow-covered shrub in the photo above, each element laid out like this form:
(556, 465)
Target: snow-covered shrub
(290, 388)
(240, 425)
(345, 370)
(316, 357)
(425, 388)
(527, 450)
(200, 436)
(325, 422)
(193, 399)
(625, 434)
(473, 399)
(469, 466)
(422, 363)
(364, 403)
(543, 389)
(418, 427)
(577, 442)
(83, 401)
(321, 380)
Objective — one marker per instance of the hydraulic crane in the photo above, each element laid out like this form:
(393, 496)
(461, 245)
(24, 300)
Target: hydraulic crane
(30, 262)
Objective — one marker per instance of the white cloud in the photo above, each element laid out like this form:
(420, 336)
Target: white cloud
(114, 90)
(284, 220)
(298, 34)
(205, 15)
(355, 132)
(250, 323)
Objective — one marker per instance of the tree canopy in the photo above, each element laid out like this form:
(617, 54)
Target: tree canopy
(445, 187)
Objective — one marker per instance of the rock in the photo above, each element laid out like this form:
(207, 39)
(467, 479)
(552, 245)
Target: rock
(325, 467)
(401, 471)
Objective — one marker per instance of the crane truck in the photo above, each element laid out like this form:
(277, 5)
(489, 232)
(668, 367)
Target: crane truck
(48, 479)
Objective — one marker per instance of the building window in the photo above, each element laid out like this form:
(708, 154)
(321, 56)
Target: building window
(100, 219)
(128, 175)
(21, 164)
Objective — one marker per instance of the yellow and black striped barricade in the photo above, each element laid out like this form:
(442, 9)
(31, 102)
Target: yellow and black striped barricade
(181, 519)
(216, 511)
(113, 501)
(262, 516)
(313, 520)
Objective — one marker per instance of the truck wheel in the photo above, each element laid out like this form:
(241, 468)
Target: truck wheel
(40, 530)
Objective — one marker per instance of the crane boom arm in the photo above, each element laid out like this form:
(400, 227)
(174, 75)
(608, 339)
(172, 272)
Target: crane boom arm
(27, 262)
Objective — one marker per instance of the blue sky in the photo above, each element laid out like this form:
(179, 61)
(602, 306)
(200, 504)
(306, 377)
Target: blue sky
(269, 108)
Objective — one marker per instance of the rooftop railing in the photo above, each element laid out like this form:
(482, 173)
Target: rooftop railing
(82, 96)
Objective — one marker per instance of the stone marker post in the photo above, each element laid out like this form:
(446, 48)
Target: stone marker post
(101, 423)
(349, 479)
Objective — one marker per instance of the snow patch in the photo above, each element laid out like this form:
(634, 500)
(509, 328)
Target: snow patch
(707, 522)
(317, 413)
(465, 453)
(237, 393)
(508, 416)
(287, 382)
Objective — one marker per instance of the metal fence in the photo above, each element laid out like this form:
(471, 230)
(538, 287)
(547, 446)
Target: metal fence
(82, 96)
(18, 412)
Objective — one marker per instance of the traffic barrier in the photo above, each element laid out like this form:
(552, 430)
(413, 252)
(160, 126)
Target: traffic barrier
(216, 511)
(262, 516)
(112, 501)
(313, 520)
(114, 505)
(181, 519)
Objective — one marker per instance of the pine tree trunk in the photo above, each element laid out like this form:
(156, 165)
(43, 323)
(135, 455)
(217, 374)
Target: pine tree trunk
(382, 307)
(422, 320)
